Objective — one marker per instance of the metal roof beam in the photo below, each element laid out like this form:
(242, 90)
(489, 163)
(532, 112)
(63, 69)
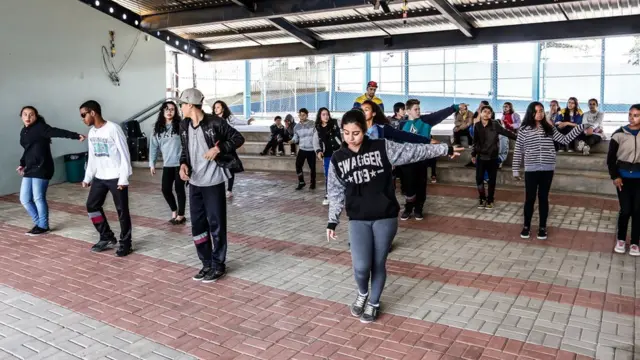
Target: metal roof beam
(452, 14)
(305, 37)
(262, 10)
(247, 4)
(381, 16)
(609, 26)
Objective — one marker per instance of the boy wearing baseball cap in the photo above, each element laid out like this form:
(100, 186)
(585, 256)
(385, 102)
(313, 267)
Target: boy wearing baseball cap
(372, 86)
(207, 159)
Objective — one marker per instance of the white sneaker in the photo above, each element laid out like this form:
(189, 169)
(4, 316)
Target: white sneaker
(634, 250)
(621, 247)
(229, 194)
(580, 145)
(586, 149)
(325, 201)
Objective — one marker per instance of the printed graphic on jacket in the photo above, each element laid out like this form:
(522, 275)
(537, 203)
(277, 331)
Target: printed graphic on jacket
(361, 168)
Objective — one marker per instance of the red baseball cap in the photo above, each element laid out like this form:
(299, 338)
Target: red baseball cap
(372, 84)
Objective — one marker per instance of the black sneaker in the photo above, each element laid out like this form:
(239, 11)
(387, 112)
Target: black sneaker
(30, 232)
(178, 222)
(200, 275)
(482, 204)
(103, 245)
(489, 205)
(406, 215)
(417, 214)
(213, 275)
(38, 231)
(357, 308)
(301, 186)
(312, 186)
(525, 233)
(542, 234)
(124, 250)
(370, 314)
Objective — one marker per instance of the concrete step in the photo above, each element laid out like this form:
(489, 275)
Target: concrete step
(263, 137)
(590, 182)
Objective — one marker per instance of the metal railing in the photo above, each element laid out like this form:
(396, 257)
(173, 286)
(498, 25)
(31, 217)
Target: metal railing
(147, 112)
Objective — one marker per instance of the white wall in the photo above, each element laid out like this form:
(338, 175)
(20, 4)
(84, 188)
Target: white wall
(50, 57)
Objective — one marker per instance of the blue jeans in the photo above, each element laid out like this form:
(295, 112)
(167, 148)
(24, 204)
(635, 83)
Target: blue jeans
(327, 161)
(33, 196)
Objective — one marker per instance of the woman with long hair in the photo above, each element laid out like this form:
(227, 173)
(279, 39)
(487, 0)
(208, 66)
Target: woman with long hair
(221, 109)
(535, 144)
(326, 140)
(166, 137)
(36, 166)
(360, 177)
(568, 119)
(510, 119)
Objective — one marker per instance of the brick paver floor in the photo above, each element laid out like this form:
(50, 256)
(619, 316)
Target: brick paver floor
(461, 284)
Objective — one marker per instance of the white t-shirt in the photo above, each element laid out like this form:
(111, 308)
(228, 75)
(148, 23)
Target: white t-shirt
(108, 155)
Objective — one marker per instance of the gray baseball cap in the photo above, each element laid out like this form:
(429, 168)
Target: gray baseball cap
(191, 96)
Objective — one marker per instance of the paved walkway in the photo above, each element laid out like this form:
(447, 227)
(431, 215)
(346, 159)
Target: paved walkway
(462, 284)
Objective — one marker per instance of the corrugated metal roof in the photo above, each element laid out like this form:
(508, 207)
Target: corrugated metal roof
(225, 42)
(146, 7)
(416, 25)
(272, 38)
(347, 31)
(379, 23)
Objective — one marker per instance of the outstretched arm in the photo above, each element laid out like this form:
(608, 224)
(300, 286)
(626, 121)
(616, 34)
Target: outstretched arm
(402, 136)
(401, 154)
(566, 139)
(438, 116)
(53, 132)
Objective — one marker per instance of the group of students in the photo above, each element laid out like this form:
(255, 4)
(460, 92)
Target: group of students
(361, 155)
(199, 150)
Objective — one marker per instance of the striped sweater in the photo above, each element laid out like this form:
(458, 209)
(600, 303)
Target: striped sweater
(303, 135)
(537, 148)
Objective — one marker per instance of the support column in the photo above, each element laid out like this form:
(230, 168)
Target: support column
(406, 74)
(367, 70)
(535, 74)
(176, 76)
(332, 83)
(247, 89)
(602, 70)
(494, 78)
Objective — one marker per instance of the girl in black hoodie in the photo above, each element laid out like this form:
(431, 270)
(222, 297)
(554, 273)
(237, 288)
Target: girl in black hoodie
(360, 181)
(326, 140)
(36, 166)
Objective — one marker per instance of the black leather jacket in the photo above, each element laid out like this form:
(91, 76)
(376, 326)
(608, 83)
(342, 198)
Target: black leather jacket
(216, 130)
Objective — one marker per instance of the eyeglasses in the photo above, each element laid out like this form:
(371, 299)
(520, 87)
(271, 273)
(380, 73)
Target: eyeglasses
(83, 115)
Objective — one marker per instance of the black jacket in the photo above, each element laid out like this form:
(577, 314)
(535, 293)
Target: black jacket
(486, 141)
(277, 133)
(36, 141)
(329, 139)
(216, 130)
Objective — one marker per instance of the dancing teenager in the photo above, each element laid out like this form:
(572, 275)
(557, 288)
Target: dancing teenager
(485, 154)
(326, 140)
(221, 109)
(167, 138)
(303, 136)
(208, 156)
(623, 161)
(535, 143)
(36, 166)
(360, 180)
(108, 171)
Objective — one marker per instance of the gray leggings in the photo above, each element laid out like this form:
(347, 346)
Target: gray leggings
(370, 241)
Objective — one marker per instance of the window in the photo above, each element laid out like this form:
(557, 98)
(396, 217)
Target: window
(570, 68)
(515, 70)
(621, 70)
(349, 72)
